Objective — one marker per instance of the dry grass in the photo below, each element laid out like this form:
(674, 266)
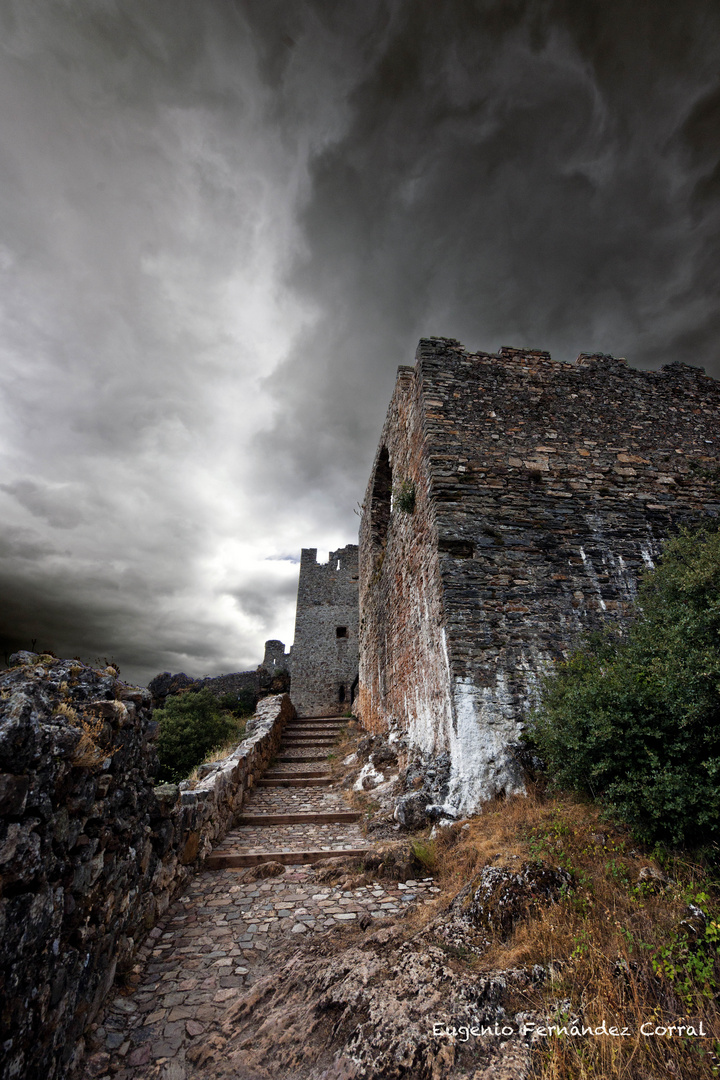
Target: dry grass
(622, 953)
(88, 753)
(345, 744)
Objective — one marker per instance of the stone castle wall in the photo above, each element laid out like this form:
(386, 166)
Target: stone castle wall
(404, 669)
(91, 852)
(324, 657)
(542, 490)
(272, 676)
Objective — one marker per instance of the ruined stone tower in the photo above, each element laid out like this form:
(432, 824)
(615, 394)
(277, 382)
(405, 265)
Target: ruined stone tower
(275, 658)
(324, 658)
(512, 503)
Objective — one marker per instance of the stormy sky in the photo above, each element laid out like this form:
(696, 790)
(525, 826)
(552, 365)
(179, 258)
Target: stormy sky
(223, 224)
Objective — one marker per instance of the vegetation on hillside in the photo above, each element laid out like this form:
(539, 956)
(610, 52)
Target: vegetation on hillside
(633, 719)
(632, 941)
(193, 726)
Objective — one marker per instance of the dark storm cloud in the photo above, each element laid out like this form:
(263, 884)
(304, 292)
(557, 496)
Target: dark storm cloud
(527, 173)
(224, 225)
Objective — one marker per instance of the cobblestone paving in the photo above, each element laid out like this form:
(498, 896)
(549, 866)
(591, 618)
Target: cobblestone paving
(291, 767)
(209, 948)
(318, 755)
(280, 800)
(211, 944)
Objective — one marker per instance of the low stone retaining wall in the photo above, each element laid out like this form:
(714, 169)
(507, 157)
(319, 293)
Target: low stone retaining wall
(91, 851)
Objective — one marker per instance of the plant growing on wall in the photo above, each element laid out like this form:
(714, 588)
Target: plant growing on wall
(404, 496)
(635, 720)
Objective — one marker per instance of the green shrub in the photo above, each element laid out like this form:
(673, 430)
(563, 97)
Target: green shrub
(191, 726)
(634, 719)
(242, 703)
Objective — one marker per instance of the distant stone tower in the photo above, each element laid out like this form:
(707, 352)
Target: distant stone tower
(275, 658)
(324, 658)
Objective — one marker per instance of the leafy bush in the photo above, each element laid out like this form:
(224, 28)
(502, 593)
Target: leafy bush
(242, 703)
(191, 725)
(634, 719)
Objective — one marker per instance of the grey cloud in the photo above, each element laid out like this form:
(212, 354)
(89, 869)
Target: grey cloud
(263, 598)
(224, 225)
(58, 504)
(520, 175)
(23, 544)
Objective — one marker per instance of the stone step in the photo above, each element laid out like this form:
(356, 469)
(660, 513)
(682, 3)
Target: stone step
(230, 860)
(329, 818)
(301, 747)
(323, 719)
(311, 740)
(290, 734)
(300, 774)
(294, 781)
(315, 725)
(301, 757)
(307, 733)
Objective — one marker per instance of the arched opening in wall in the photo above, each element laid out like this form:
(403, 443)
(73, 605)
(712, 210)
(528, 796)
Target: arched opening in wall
(341, 693)
(381, 499)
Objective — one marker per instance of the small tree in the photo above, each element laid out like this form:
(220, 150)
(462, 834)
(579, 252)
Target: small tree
(191, 725)
(634, 719)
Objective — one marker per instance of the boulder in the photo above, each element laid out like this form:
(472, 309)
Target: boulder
(410, 810)
(499, 897)
(383, 753)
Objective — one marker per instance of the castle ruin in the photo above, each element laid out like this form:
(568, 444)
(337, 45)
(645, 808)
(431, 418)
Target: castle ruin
(324, 656)
(512, 503)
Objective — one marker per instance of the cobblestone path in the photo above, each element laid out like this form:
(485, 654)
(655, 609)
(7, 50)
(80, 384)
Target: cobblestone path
(211, 944)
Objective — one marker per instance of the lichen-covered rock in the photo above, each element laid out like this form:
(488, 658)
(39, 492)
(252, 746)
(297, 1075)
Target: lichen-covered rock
(410, 810)
(499, 897)
(368, 778)
(426, 783)
(383, 753)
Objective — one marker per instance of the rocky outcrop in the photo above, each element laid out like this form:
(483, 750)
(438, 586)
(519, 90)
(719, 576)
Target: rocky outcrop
(379, 1007)
(91, 852)
(167, 685)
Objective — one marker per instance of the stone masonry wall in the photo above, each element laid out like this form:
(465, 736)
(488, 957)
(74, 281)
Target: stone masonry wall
(91, 853)
(324, 661)
(543, 489)
(404, 669)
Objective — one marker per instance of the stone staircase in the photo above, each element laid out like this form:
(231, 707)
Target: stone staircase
(295, 814)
